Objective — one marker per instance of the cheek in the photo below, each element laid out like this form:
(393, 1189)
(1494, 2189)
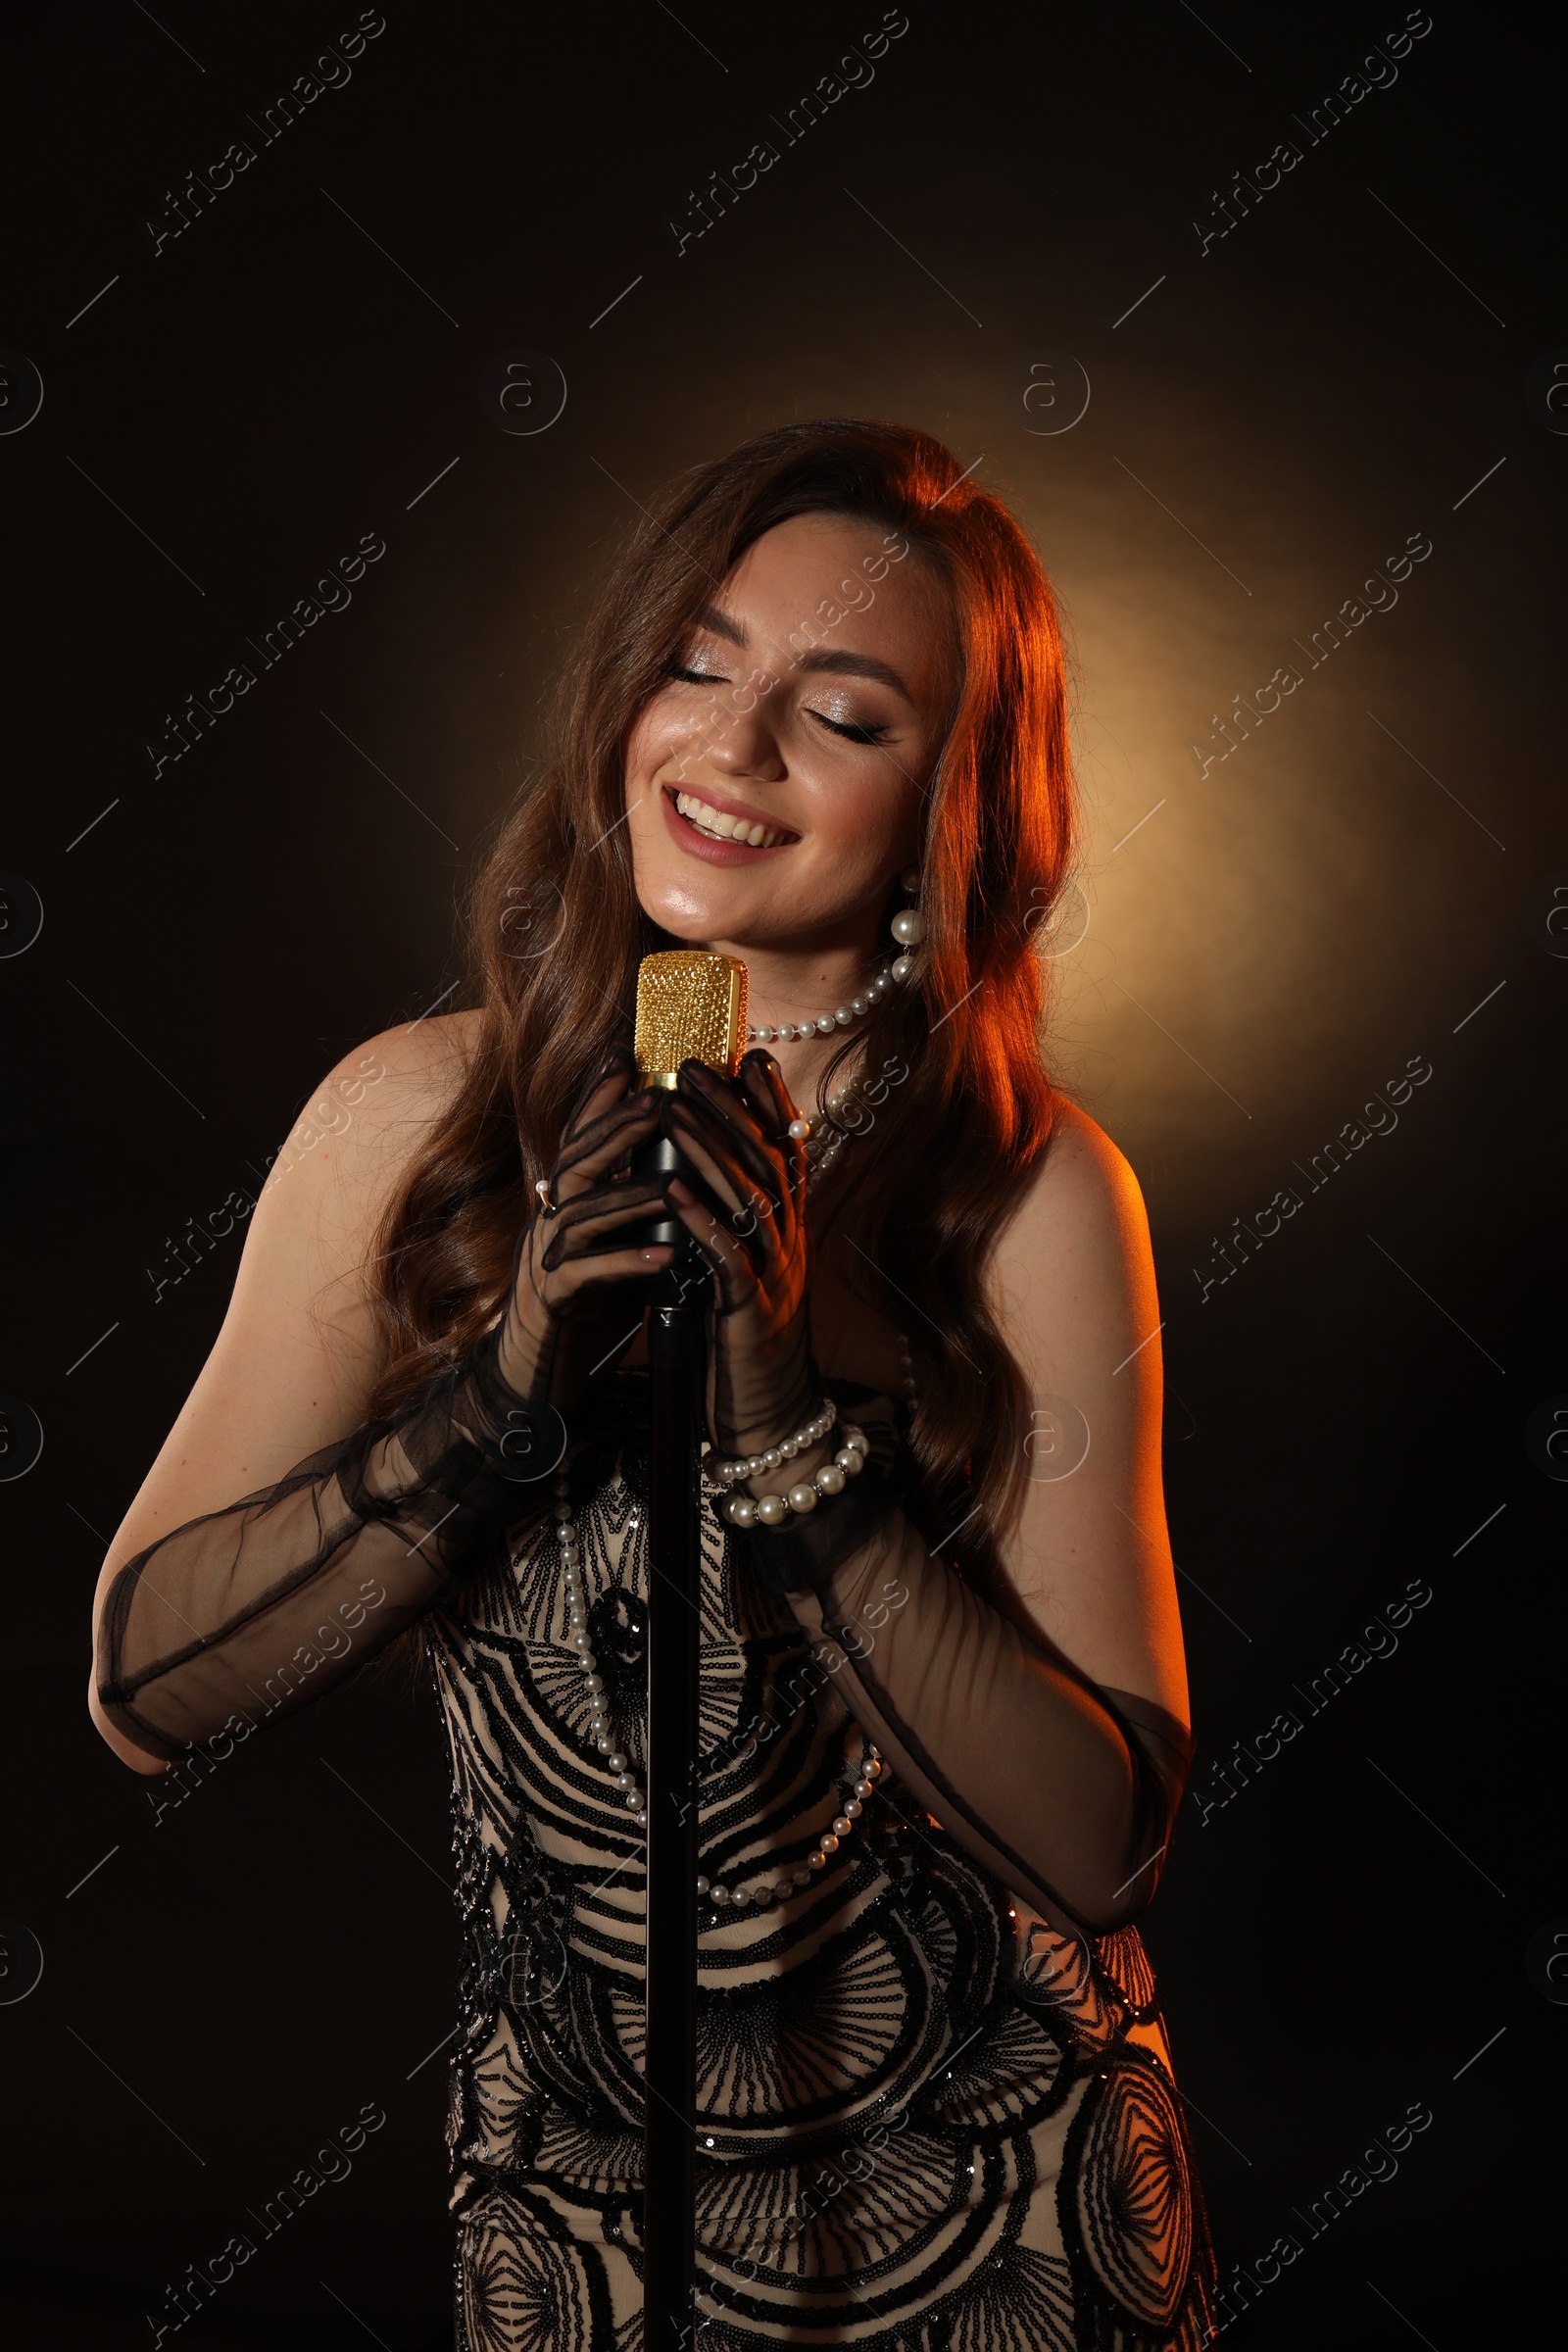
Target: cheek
(862, 823)
(643, 747)
(668, 732)
(848, 830)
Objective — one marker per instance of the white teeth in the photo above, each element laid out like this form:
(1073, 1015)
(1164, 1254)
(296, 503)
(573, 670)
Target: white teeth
(723, 827)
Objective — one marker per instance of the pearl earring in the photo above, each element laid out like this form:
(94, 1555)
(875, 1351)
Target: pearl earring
(908, 926)
(909, 929)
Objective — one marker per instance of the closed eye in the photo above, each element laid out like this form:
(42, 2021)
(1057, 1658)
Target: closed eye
(853, 734)
(685, 675)
(694, 677)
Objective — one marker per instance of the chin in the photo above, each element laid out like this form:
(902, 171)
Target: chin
(689, 914)
(687, 896)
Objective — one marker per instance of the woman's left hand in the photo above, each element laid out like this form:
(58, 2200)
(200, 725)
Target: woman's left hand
(758, 1245)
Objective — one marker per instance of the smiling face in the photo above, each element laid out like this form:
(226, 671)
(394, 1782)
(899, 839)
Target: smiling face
(774, 784)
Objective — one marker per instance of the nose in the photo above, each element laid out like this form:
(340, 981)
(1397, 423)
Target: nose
(736, 738)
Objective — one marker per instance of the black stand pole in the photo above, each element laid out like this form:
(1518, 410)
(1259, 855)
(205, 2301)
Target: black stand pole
(674, 1355)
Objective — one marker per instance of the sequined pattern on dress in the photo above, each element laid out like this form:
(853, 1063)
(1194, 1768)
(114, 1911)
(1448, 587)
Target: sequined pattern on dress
(926, 2119)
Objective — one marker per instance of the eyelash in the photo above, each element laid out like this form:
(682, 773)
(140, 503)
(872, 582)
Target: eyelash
(714, 677)
(873, 734)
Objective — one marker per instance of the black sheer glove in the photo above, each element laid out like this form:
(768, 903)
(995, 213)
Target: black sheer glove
(750, 1223)
(569, 1295)
(1064, 1789)
(252, 1611)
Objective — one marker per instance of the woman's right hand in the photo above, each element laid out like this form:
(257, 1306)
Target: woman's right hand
(562, 1276)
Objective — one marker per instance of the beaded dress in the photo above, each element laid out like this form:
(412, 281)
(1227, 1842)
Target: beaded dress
(934, 2111)
(927, 2118)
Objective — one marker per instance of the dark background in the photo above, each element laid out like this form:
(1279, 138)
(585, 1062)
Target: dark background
(225, 1987)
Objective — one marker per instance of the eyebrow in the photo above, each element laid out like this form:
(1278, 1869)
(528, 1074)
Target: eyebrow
(850, 665)
(843, 663)
(721, 625)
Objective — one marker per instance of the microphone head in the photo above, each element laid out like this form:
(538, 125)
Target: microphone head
(690, 1004)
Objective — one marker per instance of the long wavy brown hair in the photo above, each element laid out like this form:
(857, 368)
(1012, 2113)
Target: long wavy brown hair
(555, 934)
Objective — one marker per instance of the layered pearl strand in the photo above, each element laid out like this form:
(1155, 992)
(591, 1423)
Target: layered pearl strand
(724, 1473)
(822, 1138)
(762, 1892)
(772, 1510)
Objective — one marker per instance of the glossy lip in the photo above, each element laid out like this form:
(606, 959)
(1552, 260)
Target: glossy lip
(719, 852)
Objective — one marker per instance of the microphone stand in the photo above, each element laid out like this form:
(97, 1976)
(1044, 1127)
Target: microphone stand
(675, 1357)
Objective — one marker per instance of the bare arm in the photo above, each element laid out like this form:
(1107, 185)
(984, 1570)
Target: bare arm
(1090, 1558)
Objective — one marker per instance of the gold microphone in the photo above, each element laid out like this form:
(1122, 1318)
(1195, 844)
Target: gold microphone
(690, 1005)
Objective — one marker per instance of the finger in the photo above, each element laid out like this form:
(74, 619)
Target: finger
(706, 1149)
(586, 1282)
(578, 1229)
(769, 1099)
(607, 1138)
(734, 1193)
(729, 1116)
(770, 1113)
(773, 1174)
(748, 1212)
(610, 1082)
(763, 1082)
(737, 1277)
(617, 1065)
(727, 1096)
(727, 1195)
(606, 1105)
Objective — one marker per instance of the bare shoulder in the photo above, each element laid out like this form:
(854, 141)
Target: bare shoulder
(351, 1146)
(1076, 1250)
(1080, 1171)
(387, 1093)
(302, 1294)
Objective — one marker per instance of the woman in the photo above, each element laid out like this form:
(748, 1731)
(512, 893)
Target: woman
(816, 722)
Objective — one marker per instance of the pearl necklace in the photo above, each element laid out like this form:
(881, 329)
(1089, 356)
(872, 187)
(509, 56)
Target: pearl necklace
(909, 929)
(846, 1016)
(763, 1891)
(577, 1638)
